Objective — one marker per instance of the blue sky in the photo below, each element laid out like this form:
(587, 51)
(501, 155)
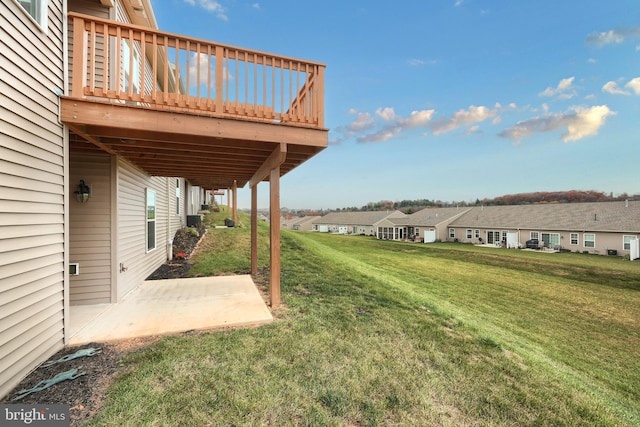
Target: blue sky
(449, 100)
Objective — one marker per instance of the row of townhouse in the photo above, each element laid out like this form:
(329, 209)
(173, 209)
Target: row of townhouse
(360, 223)
(304, 223)
(104, 154)
(600, 228)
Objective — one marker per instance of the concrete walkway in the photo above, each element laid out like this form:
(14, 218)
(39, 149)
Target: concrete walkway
(171, 306)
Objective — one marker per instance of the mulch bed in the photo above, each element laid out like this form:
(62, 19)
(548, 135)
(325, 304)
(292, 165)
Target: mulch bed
(85, 394)
(184, 244)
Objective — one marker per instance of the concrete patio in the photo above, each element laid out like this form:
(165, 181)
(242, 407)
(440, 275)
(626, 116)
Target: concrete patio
(161, 307)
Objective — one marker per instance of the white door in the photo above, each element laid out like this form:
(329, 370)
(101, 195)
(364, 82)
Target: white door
(430, 236)
(635, 249)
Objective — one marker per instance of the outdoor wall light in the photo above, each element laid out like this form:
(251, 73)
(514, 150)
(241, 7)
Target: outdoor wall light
(83, 192)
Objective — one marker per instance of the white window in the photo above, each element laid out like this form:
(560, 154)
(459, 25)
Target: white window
(535, 235)
(177, 197)
(131, 69)
(469, 233)
(417, 232)
(37, 10)
(151, 220)
(452, 233)
(589, 240)
(574, 239)
(626, 242)
(477, 234)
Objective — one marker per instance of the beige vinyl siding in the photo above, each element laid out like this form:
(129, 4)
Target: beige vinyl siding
(177, 220)
(93, 8)
(132, 254)
(90, 229)
(32, 192)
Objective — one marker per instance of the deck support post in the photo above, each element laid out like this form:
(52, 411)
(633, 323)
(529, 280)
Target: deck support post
(235, 202)
(274, 228)
(271, 169)
(254, 229)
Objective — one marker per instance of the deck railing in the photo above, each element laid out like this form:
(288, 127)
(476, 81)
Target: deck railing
(129, 63)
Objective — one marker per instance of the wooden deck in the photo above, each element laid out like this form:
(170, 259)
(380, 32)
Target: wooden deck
(180, 106)
(218, 115)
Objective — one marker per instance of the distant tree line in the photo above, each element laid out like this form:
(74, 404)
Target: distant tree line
(572, 196)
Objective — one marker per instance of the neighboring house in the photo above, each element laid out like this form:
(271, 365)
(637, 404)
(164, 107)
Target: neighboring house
(362, 223)
(426, 225)
(304, 223)
(108, 148)
(599, 228)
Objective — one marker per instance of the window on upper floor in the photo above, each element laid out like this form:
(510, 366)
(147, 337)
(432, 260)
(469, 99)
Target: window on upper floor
(130, 67)
(37, 10)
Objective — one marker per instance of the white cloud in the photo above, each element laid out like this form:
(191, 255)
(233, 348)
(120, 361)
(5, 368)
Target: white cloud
(380, 136)
(564, 89)
(580, 123)
(416, 119)
(207, 68)
(389, 124)
(414, 62)
(592, 60)
(612, 88)
(363, 122)
(473, 130)
(612, 36)
(464, 118)
(256, 5)
(395, 125)
(459, 3)
(386, 114)
(634, 85)
(210, 6)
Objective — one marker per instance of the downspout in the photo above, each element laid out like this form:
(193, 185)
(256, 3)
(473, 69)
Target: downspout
(169, 238)
(66, 292)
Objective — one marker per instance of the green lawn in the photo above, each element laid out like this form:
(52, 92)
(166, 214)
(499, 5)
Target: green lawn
(387, 333)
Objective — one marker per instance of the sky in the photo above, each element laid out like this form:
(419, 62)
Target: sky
(451, 100)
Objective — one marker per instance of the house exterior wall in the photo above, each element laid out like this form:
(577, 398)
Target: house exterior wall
(32, 191)
(138, 263)
(90, 229)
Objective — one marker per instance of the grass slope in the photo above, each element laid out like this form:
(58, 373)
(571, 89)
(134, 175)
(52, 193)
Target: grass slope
(384, 333)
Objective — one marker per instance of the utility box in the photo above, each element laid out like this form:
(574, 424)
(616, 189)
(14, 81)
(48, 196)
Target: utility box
(194, 221)
(612, 252)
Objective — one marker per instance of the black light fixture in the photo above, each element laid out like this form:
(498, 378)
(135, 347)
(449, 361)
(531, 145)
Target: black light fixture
(83, 192)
